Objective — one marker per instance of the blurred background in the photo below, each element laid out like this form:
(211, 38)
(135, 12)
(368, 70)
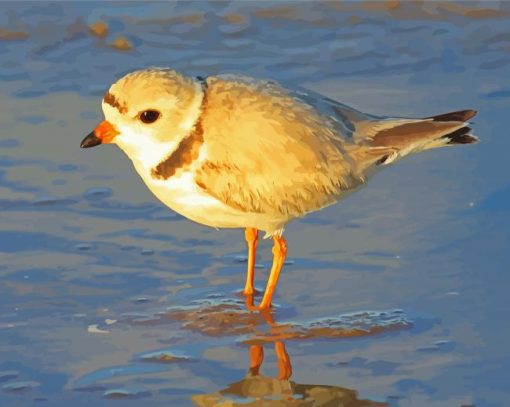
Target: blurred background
(107, 294)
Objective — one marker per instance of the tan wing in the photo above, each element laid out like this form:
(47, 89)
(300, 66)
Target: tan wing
(290, 152)
(269, 152)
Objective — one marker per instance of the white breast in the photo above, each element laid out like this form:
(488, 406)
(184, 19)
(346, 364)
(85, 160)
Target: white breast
(181, 193)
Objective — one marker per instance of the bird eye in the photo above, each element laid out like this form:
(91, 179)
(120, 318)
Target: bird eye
(149, 116)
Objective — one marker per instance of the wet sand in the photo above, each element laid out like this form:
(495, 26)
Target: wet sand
(396, 295)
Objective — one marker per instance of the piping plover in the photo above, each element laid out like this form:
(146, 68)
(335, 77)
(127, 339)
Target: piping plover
(231, 151)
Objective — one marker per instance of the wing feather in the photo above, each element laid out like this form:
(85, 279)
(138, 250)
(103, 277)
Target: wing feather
(270, 152)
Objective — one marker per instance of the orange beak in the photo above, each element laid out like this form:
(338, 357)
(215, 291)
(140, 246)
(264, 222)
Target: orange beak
(103, 133)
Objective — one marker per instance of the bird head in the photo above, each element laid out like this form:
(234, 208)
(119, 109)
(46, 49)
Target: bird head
(147, 112)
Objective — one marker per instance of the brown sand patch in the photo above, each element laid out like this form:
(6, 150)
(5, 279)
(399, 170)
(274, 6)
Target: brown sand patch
(12, 35)
(233, 18)
(122, 44)
(195, 20)
(217, 319)
(466, 10)
(192, 19)
(162, 356)
(231, 318)
(288, 12)
(99, 29)
(255, 391)
(421, 10)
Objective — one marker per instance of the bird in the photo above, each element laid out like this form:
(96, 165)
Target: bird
(232, 151)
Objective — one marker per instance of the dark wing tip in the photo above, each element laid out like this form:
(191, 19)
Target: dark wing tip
(464, 139)
(461, 136)
(459, 116)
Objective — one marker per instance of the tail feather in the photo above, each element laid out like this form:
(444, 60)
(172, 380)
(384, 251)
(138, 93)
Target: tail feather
(461, 136)
(388, 140)
(459, 116)
(419, 132)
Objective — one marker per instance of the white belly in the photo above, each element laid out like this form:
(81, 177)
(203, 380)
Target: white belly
(183, 195)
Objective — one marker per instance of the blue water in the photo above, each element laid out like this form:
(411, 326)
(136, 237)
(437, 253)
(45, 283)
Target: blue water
(93, 268)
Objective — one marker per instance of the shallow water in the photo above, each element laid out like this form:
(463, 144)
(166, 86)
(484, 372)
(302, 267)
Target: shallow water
(103, 288)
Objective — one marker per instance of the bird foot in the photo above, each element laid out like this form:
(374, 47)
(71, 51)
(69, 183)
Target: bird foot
(250, 304)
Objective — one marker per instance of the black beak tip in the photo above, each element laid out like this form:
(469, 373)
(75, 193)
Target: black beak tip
(90, 141)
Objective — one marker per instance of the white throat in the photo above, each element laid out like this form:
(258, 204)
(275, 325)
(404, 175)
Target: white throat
(146, 152)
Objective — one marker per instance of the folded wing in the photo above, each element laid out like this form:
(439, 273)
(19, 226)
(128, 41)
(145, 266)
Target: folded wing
(287, 153)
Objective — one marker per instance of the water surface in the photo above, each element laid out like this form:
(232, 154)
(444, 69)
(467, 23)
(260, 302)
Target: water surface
(103, 287)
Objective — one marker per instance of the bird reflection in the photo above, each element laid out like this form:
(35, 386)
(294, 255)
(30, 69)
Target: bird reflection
(256, 389)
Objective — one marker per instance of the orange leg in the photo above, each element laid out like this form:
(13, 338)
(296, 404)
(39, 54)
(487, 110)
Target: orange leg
(252, 237)
(284, 364)
(256, 359)
(279, 254)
